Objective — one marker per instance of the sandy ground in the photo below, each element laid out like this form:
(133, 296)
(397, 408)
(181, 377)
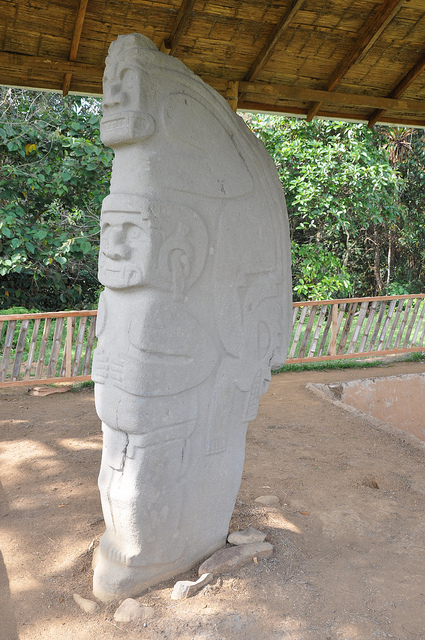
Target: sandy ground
(348, 536)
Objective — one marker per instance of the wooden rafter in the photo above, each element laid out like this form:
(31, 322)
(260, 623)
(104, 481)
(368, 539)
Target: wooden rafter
(371, 31)
(288, 109)
(25, 64)
(78, 28)
(184, 17)
(402, 86)
(267, 51)
(293, 93)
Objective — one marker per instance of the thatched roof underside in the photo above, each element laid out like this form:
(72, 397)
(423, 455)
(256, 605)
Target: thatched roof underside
(351, 59)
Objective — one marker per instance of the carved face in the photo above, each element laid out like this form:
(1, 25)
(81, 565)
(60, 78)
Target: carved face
(125, 120)
(126, 247)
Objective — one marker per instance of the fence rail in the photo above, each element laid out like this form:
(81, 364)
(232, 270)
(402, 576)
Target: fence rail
(58, 347)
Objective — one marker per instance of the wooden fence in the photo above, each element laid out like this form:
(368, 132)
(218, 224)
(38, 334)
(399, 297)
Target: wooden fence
(58, 347)
(46, 347)
(357, 327)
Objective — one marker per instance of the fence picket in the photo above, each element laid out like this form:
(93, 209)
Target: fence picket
(65, 369)
(307, 332)
(347, 325)
(32, 348)
(316, 335)
(57, 338)
(394, 323)
(89, 346)
(7, 349)
(298, 331)
(419, 323)
(375, 333)
(19, 351)
(410, 325)
(328, 324)
(362, 315)
(372, 312)
(403, 323)
(386, 324)
(43, 348)
(79, 344)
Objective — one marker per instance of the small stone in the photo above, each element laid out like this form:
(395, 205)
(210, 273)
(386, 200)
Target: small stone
(230, 558)
(268, 501)
(88, 606)
(132, 611)
(247, 536)
(186, 588)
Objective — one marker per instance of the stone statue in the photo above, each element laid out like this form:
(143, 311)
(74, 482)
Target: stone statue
(195, 260)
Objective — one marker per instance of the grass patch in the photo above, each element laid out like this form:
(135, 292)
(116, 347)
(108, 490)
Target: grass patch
(86, 384)
(329, 365)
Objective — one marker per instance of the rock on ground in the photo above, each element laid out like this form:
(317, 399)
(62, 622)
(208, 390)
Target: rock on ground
(268, 501)
(186, 588)
(230, 558)
(131, 611)
(88, 606)
(247, 536)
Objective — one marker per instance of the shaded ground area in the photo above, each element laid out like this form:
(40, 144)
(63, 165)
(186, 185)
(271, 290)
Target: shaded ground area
(349, 558)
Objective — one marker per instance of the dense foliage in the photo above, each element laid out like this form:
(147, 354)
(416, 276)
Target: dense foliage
(355, 197)
(54, 173)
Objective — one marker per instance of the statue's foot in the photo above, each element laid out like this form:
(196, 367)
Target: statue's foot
(115, 581)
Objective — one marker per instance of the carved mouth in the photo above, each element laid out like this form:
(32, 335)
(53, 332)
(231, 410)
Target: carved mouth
(126, 127)
(128, 276)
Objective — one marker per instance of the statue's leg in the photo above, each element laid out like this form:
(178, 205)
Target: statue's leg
(142, 491)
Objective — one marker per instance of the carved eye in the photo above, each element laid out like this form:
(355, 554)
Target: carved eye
(127, 79)
(133, 232)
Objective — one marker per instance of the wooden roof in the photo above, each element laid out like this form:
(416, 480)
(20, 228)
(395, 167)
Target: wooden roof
(350, 59)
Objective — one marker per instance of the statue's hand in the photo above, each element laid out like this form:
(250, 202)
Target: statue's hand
(100, 366)
(118, 367)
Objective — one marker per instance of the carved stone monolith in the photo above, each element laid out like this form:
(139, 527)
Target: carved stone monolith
(195, 260)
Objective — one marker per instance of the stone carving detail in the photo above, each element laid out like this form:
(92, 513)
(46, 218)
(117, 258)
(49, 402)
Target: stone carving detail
(194, 257)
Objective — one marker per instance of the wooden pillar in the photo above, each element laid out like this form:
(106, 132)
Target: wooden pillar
(232, 94)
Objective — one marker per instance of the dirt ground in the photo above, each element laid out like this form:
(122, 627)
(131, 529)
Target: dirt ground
(348, 536)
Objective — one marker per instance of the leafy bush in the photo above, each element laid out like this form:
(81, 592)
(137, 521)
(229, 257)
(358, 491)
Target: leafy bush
(54, 174)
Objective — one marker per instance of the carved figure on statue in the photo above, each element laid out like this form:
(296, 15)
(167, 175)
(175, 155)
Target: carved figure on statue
(194, 258)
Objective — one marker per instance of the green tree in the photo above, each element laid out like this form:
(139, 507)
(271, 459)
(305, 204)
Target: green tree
(54, 173)
(406, 147)
(342, 195)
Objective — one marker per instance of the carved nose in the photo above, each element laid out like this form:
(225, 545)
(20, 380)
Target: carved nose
(113, 97)
(114, 245)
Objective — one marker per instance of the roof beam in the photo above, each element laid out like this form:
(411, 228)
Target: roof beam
(289, 110)
(371, 31)
(267, 50)
(75, 43)
(297, 94)
(184, 17)
(402, 86)
(20, 62)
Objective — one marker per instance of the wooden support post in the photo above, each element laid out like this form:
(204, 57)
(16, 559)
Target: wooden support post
(232, 94)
